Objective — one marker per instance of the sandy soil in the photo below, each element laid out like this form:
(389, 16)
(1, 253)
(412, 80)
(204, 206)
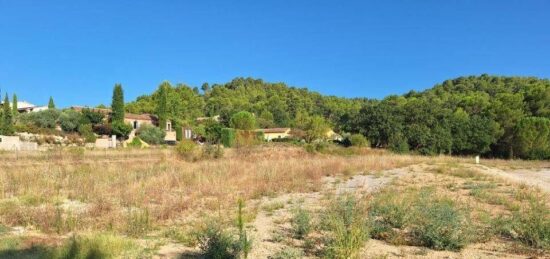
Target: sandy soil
(533, 177)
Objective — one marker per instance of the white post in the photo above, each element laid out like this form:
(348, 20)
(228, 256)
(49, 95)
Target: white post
(477, 159)
(113, 141)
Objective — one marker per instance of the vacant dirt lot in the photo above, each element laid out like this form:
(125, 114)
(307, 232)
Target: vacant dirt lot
(153, 204)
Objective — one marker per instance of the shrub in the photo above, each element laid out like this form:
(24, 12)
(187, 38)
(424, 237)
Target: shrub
(96, 246)
(121, 130)
(70, 120)
(228, 137)
(151, 134)
(441, 225)
(187, 150)
(247, 138)
(531, 225)
(345, 221)
(358, 140)
(94, 118)
(87, 133)
(398, 144)
(301, 223)
(217, 243)
(424, 219)
(43, 119)
(103, 129)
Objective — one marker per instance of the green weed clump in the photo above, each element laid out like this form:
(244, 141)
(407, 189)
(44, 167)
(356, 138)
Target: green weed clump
(139, 223)
(419, 217)
(530, 225)
(301, 223)
(345, 222)
(219, 243)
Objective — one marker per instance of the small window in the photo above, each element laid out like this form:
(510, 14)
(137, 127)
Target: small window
(0, 140)
(135, 124)
(168, 126)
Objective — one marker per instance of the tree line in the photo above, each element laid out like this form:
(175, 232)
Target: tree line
(486, 115)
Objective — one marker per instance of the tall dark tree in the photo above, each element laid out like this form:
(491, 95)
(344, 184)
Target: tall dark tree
(117, 105)
(51, 104)
(162, 104)
(14, 105)
(6, 127)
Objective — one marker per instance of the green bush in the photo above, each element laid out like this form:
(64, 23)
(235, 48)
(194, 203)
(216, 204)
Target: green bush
(87, 133)
(70, 120)
(424, 219)
(346, 223)
(121, 129)
(358, 140)
(138, 223)
(301, 223)
(212, 151)
(217, 243)
(188, 150)
(441, 225)
(94, 118)
(531, 225)
(151, 135)
(228, 137)
(42, 119)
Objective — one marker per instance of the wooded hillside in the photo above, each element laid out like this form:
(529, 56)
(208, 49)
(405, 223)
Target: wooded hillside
(488, 115)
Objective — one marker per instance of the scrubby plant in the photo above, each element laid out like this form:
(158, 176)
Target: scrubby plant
(217, 243)
(103, 129)
(188, 150)
(530, 225)
(87, 133)
(70, 120)
(346, 224)
(244, 242)
(228, 137)
(121, 130)
(42, 119)
(358, 140)
(92, 117)
(301, 223)
(151, 135)
(423, 219)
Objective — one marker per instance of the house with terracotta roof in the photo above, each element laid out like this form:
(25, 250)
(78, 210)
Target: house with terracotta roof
(136, 120)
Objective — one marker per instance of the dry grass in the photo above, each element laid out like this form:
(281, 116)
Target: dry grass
(75, 190)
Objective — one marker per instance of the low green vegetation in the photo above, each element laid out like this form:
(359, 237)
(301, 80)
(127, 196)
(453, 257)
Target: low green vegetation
(345, 227)
(420, 217)
(301, 223)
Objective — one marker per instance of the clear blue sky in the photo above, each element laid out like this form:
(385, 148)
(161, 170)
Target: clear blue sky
(77, 50)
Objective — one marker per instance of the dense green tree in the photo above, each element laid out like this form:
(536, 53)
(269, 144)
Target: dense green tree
(51, 104)
(14, 107)
(92, 117)
(6, 125)
(316, 129)
(532, 140)
(121, 130)
(162, 104)
(42, 119)
(117, 106)
(151, 135)
(243, 120)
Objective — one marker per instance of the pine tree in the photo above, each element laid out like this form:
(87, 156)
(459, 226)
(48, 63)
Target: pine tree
(162, 105)
(117, 105)
(7, 119)
(51, 104)
(14, 105)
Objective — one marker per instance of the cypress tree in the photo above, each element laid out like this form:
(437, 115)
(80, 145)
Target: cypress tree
(162, 105)
(117, 105)
(7, 119)
(14, 105)
(51, 104)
